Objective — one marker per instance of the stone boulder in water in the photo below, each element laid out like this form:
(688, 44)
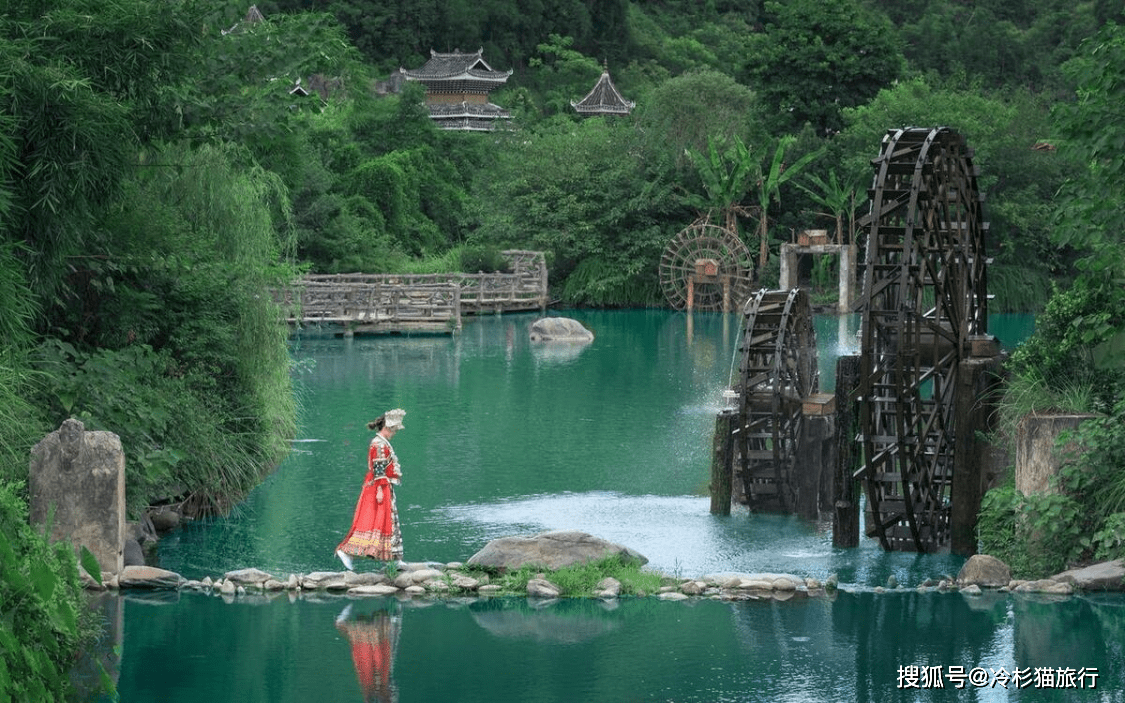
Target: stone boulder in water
(984, 571)
(549, 550)
(559, 329)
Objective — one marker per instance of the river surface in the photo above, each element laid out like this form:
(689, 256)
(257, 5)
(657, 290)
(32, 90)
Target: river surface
(505, 437)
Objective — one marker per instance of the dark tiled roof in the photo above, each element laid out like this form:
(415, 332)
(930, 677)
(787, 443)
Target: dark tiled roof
(604, 100)
(456, 66)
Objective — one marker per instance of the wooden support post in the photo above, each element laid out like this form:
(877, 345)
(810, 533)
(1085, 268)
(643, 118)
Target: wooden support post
(690, 292)
(815, 461)
(845, 516)
(722, 462)
(978, 382)
(847, 278)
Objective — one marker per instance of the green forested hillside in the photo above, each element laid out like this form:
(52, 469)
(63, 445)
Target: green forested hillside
(157, 175)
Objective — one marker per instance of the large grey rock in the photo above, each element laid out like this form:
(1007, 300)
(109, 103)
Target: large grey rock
(365, 578)
(549, 550)
(984, 571)
(1107, 576)
(254, 577)
(1048, 586)
(381, 589)
(134, 554)
(80, 476)
(323, 580)
(559, 329)
(542, 588)
(148, 577)
(464, 583)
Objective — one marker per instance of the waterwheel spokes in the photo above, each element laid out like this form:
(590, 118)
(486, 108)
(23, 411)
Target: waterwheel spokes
(924, 295)
(706, 268)
(777, 372)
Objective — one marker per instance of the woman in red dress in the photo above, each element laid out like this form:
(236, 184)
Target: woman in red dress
(375, 531)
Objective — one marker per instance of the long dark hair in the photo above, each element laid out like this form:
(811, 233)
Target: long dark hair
(378, 423)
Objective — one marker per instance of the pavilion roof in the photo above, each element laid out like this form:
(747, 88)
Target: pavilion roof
(456, 66)
(604, 99)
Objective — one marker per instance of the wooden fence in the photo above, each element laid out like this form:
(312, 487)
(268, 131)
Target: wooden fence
(365, 302)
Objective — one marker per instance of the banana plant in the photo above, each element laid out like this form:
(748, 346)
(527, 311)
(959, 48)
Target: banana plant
(726, 178)
(838, 200)
(769, 187)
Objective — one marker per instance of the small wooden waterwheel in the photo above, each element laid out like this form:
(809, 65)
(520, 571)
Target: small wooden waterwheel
(924, 295)
(777, 372)
(706, 267)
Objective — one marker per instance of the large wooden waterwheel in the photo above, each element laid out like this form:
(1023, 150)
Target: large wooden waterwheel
(706, 267)
(778, 370)
(924, 294)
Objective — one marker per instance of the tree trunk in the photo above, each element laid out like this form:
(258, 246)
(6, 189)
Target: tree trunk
(764, 246)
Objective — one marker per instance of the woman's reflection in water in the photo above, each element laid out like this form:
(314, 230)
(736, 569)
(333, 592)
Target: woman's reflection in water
(374, 640)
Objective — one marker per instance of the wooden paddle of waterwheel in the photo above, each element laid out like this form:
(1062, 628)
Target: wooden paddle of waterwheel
(924, 295)
(706, 267)
(777, 372)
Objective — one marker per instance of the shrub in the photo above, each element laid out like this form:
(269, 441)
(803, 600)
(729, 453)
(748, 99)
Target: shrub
(40, 605)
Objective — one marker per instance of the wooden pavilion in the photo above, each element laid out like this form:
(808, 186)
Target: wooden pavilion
(604, 99)
(457, 88)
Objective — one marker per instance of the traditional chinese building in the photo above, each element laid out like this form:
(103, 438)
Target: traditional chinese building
(457, 88)
(603, 99)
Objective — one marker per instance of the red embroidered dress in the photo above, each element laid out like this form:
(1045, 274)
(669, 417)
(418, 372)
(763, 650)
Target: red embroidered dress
(375, 531)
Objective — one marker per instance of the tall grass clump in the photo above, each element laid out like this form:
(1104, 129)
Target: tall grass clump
(600, 283)
(582, 579)
(21, 422)
(184, 353)
(1018, 288)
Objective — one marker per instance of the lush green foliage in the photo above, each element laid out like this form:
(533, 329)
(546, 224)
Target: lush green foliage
(158, 176)
(1075, 351)
(1079, 520)
(582, 579)
(816, 58)
(583, 191)
(1017, 180)
(189, 362)
(997, 42)
(41, 605)
(1088, 220)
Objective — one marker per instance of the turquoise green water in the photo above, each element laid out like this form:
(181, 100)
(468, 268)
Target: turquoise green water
(200, 648)
(505, 437)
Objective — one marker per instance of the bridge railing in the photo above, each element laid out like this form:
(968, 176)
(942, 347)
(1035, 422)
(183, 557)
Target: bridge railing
(416, 301)
(434, 305)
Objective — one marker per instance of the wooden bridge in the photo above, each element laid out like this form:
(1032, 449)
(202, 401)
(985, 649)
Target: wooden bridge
(374, 303)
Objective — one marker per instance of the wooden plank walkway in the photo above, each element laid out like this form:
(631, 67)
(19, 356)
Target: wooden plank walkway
(374, 303)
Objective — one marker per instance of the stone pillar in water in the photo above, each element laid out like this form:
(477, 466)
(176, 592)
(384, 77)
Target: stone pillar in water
(979, 383)
(80, 476)
(1038, 456)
